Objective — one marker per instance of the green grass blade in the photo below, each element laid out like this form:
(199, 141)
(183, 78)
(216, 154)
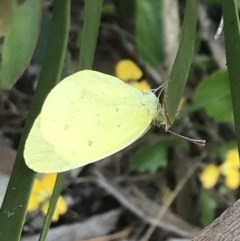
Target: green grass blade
(232, 45)
(56, 192)
(14, 207)
(181, 67)
(89, 34)
(63, 10)
(149, 31)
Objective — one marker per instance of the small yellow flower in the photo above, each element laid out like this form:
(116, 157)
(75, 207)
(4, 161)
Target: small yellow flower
(230, 169)
(130, 73)
(232, 180)
(233, 157)
(209, 176)
(127, 70)
(41, 194)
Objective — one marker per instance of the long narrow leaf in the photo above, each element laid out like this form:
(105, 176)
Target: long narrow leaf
(62, 18)
(232, 43)
(149, 31)
(181, 67)
(53, 203)
(93, 10)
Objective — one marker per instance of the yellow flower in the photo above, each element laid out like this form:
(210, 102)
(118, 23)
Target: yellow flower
(41, 194)
(232, 179)
(209, 176)
(130, 73)
(233, 157)
(230, 169)
(127, 70)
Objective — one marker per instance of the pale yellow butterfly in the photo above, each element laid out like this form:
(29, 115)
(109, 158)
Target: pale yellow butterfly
(87, 117)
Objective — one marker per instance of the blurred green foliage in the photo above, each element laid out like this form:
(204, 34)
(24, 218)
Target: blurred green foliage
(213, 94)
(19, 40)
(149, 31)
(208, 207)
(151, 158)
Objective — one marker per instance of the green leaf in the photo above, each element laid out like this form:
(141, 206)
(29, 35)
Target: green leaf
(213, 94)
(181, 67)
(238, 3)
(149, 31)
(152, 157)
(208, 207)
(40, 50)
(89, 34)
(232, 44)
(20, 41)
(53, 202)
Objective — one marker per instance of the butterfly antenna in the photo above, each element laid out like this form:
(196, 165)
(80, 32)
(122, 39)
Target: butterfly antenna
(198, 142)
(161, 88)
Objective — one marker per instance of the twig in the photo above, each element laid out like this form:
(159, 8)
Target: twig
(170, 221)
(169, 201)
(118, 235)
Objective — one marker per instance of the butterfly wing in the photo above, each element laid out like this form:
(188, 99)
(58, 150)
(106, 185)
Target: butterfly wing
(87, 117)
